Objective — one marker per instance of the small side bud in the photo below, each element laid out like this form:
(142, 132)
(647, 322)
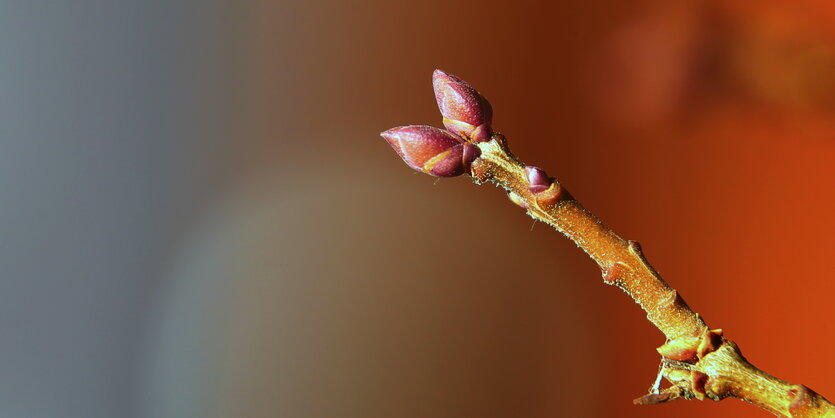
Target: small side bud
(681, 349)
(431, 150)
(466, 112)
(538, 180)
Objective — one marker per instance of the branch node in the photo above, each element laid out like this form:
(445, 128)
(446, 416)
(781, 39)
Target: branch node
(710, 341)
(806, 401)
(635, 248)
(614, 272)
(669, 300)
(517, 200)
(682, 349)
(698, 380)
(549, 196)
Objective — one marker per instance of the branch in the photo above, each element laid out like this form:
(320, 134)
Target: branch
(697, 361)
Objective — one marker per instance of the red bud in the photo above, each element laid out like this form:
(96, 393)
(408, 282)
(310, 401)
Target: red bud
(465, 111)
(431, 150)
(538, 180)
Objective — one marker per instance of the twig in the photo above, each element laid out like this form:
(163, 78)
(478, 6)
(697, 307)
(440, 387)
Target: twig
(697, 361)
(705, 364)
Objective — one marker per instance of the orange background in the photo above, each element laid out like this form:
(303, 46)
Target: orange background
(201, 220)
(704, 130)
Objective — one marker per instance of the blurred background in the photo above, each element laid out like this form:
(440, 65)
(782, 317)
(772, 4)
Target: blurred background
(199, 218)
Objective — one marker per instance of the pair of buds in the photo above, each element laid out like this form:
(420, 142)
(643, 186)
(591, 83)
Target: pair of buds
(446, 152)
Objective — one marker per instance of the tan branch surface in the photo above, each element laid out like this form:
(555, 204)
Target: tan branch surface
(697, 361)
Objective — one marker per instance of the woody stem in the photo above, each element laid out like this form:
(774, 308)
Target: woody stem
(710, 365)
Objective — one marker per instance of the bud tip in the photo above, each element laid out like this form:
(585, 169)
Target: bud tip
(465, 111)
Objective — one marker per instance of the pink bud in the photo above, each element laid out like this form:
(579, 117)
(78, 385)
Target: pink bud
(538, 180)
(465, 111)
(431, 150)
